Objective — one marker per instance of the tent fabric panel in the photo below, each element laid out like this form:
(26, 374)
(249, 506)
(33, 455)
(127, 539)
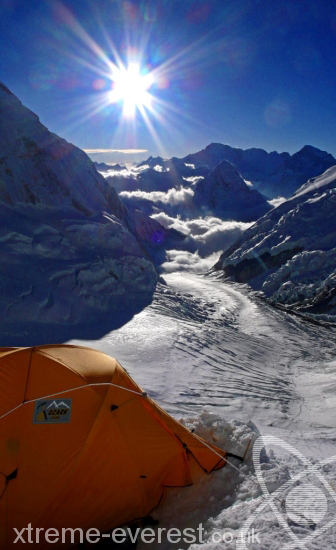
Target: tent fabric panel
(3, 516)
(14, 369)
(92, 365)
(118, 492)
(122, 378)
(48, 377)
(208, 459)
(153, 446)
(7, 351)
(47, 457)
(11, 435)
(105, 485)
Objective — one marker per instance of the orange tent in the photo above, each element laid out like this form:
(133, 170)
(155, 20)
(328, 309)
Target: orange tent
(82, 446)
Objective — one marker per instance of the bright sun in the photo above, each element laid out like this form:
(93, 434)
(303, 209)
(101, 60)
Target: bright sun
(131, 87)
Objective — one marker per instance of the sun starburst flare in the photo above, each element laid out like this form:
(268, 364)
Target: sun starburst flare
(131, 88)
(131, 82)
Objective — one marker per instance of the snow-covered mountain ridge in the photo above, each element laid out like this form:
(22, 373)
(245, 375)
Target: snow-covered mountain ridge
(290, 253)
(272, 173)
(220, 181)
(39, 168)
(70, 251)
(203, 185)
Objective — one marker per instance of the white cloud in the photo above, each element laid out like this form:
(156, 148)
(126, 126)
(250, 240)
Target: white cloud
(176, 196)
(219, 237)
(171, 223)
(125, 173)
(193, 179)
(276, 202)
(128, 172)
(172, 196)
(205, 238)
(207, 235)
(182, 260)
(125, 151)
(142, 168)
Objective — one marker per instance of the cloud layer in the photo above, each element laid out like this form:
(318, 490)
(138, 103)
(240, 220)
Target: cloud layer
(181, 260)
(206, 239)
(125, 151)
(172, 196)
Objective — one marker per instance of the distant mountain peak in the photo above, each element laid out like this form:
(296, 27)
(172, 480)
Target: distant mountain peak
(224, 193)
(225, 167)
(228, 175)
(310, 149)
(273, 174)
(5, 89)
(152, 161)
(214, 145)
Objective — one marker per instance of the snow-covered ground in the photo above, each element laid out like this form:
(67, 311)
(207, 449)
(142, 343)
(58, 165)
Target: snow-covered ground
(230, 365)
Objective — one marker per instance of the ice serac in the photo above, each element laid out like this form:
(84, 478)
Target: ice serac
(273, 174)
(71, 257)
(290, 253)
(225, 194)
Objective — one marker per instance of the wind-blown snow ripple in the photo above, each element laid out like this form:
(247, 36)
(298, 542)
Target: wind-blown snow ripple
(234, 365)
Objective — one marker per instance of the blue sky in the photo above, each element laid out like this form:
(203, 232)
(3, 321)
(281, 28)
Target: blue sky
(250, 73)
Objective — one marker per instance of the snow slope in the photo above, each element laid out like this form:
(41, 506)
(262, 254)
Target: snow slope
(233, 367)
(70, 252)
(290, 252)
(41, 169)
(323, 180)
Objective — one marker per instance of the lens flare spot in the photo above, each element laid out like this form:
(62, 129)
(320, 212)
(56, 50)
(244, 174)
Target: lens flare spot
(98, 84)
(277, 113)
(163, 83)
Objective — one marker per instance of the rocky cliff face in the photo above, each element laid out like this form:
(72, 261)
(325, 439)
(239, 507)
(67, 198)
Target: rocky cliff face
(70, 253)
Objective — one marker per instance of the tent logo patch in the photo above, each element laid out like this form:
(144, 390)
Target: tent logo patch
(52, 411)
